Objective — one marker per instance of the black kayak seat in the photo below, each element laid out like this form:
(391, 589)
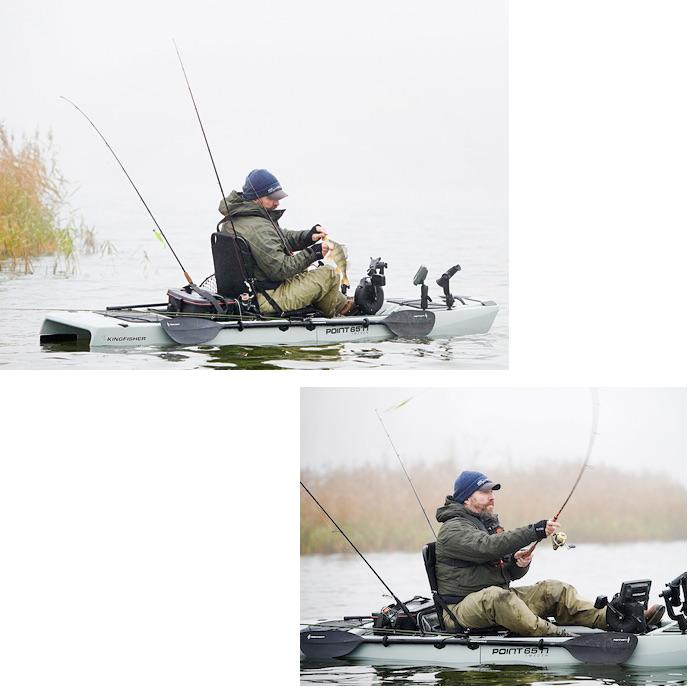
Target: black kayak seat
(430, 560)
(230, 278)
(230, 281)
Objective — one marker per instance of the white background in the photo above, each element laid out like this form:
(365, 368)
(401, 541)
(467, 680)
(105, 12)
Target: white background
(145, 518)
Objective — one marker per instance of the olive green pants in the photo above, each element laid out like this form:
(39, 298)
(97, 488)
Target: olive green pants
(319, 288)
(522, 610)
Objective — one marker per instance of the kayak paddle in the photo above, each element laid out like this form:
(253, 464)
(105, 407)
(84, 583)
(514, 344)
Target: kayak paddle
(328, 644)
(607, 648)
(408, 323)
(189, 330)
(192, 330)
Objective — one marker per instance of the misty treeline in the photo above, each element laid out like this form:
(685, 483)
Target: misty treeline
(377, 509)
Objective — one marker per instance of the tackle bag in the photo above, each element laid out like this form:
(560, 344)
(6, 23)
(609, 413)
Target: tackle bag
(189, 301)
(392, 617)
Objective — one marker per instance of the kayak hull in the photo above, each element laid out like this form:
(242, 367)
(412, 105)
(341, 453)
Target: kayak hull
(143, 330)
(664, 647)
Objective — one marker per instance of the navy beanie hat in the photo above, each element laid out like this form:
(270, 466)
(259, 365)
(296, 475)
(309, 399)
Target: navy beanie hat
(262, 183)
(468, 482)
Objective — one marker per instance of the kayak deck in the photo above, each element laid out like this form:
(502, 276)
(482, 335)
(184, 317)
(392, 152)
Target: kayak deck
(136, 328)
(664, 646)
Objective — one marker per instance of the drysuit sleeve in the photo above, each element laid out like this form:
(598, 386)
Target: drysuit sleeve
(271, 257)
(514, 571)
(298, 240)
(460, 541)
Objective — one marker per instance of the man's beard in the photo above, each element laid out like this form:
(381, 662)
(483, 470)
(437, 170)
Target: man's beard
(486, 508)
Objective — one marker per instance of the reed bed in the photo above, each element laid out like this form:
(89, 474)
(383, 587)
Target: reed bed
(377, 509)
(33, 206)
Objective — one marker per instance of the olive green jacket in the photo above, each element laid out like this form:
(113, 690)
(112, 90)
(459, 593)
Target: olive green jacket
(270, 245)
(466, 536)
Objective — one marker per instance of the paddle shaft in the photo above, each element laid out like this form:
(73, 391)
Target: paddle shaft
(596, 647)
(193, 330)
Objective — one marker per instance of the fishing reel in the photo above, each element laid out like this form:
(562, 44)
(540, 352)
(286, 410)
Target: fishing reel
(559, 540)
(369, 295)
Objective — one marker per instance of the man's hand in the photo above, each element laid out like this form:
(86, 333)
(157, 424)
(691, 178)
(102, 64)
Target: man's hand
(545, 528)
(320, 233)
(552, 527)
(523, 558)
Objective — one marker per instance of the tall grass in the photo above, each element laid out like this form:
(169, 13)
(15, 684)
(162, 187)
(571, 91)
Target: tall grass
(377, 509)
(33, 202)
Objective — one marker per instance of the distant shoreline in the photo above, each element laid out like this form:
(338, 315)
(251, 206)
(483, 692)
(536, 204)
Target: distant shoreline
(609, 506)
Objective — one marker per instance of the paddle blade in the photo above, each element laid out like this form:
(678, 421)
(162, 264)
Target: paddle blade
(328, 644)
(410, 323)
(602, 647)
(188, 330)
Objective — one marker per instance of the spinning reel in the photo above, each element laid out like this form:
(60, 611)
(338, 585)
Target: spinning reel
(559, 540)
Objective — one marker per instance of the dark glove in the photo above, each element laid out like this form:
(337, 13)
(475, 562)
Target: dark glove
(317, 250)
(540, 528)
(306, 240)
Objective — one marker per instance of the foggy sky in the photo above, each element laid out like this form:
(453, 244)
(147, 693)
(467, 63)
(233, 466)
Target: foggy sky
(639, 430)
(392, 99)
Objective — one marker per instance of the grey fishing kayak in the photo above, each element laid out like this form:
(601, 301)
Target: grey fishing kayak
(136, 327)
(665, 646)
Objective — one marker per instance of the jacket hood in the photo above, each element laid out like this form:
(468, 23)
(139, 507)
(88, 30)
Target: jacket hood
(452, 509)
(455, 509)
(240, 207)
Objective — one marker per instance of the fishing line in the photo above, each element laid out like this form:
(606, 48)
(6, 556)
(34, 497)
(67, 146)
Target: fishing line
(111, 150)
(398, 456)
(340, 530)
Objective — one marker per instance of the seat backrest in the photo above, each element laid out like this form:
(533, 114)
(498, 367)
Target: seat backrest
(429, 559)
(230, 279)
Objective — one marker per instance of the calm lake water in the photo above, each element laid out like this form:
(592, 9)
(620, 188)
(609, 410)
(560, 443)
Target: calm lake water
(336, 585)
(140, 270)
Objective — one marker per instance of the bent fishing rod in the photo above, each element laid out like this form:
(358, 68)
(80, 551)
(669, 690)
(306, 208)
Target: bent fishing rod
(340, 530)
(415, 493)
(591, 441)
(121, 165)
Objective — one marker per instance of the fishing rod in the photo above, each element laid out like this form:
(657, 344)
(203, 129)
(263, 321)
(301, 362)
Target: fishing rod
(340, 530)
(285, 244)
(415, 493)
(247, 278)
(121, 165)
(559, 539)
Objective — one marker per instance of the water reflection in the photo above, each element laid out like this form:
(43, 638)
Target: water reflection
(239, 357)
(339, 672)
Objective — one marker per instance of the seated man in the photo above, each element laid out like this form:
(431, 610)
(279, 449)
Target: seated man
(477, 560)
(281, 278)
